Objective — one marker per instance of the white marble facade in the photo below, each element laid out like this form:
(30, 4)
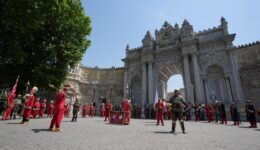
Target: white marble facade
(205, 59)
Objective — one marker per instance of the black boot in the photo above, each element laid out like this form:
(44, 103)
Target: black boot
(173, 127)
(183, 128)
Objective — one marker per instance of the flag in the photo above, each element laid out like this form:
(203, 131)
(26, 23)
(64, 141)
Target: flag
(11, 95)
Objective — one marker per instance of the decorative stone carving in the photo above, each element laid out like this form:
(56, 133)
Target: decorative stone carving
(148, 40)
(186, 32)
(167, 34)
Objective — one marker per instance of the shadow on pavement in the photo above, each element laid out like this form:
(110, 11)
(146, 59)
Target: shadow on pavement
(162, 132)
(151, 124)
(39, 130)
(244, 127)
(257, 129)
(67, 121)
(13, 123)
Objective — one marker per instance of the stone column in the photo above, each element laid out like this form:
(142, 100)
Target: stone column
(150, 83)
(228, 90)
(206, 91)
(143, 88)
(187, 80)
(125, 82)
(235, 75)
(198, 87)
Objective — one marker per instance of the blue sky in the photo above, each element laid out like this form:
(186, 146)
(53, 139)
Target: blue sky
(117, 23)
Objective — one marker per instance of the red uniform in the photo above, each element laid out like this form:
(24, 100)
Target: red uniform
(28, 107)
(107, 111)
(91, 111)
(84, 111)
(10, 104)
(66, 110)
(159, 107)
(58, 110)
(36, 107)
(127, 112)
(102, 110)
(209, 113)
(50, 110)
(42, 109)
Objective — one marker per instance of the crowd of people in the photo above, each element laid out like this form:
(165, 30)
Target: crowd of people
(30, 107)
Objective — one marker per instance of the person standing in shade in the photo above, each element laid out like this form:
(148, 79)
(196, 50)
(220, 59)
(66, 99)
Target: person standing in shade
(76, 106)
(177, 104)
(58, 109)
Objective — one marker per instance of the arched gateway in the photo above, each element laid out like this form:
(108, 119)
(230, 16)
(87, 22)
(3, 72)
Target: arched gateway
(205, 60)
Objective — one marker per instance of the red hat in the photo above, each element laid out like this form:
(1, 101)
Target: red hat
(66, 86)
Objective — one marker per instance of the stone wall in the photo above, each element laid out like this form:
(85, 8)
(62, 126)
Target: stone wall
(93, 83)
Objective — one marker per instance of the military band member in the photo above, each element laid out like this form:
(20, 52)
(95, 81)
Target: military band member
(50, 110)
(177, 104)
(234, 113)
(91, 110)
(251, 114)
(58, 109)
(17, 107)
(159, 111)
(36, 108)
(102, 110)
(84, 110)
(223, 113)
(76, 106)
(108, 109)
(28, 106)
(66, 110)
(42, 108)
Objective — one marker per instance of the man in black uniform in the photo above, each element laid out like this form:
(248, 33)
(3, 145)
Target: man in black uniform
(76, 106)
(251, 114)
(177, 104)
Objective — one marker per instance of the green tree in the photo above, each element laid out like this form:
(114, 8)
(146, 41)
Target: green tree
(40, 38)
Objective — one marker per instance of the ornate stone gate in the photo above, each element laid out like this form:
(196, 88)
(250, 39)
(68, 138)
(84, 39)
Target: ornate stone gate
(205, 59)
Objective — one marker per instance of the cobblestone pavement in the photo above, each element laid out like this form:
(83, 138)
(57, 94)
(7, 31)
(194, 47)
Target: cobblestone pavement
(95, 134)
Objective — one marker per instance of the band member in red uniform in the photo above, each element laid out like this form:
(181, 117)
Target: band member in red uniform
(159, 107)
(85, 110)
(66, 110)
(127, 111)
(58, 109)
(91, 110)
(10, 102)
(50, 110)
(102, 110)
(108, 108)
(10, 105)
(42, 108)
(28, 106)
(36, 108)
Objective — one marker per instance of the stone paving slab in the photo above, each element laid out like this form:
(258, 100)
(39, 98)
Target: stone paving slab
(95, 134)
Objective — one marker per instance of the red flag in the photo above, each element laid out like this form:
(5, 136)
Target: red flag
(12, 93)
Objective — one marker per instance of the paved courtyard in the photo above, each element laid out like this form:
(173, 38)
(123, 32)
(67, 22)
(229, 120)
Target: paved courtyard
(95, 134)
